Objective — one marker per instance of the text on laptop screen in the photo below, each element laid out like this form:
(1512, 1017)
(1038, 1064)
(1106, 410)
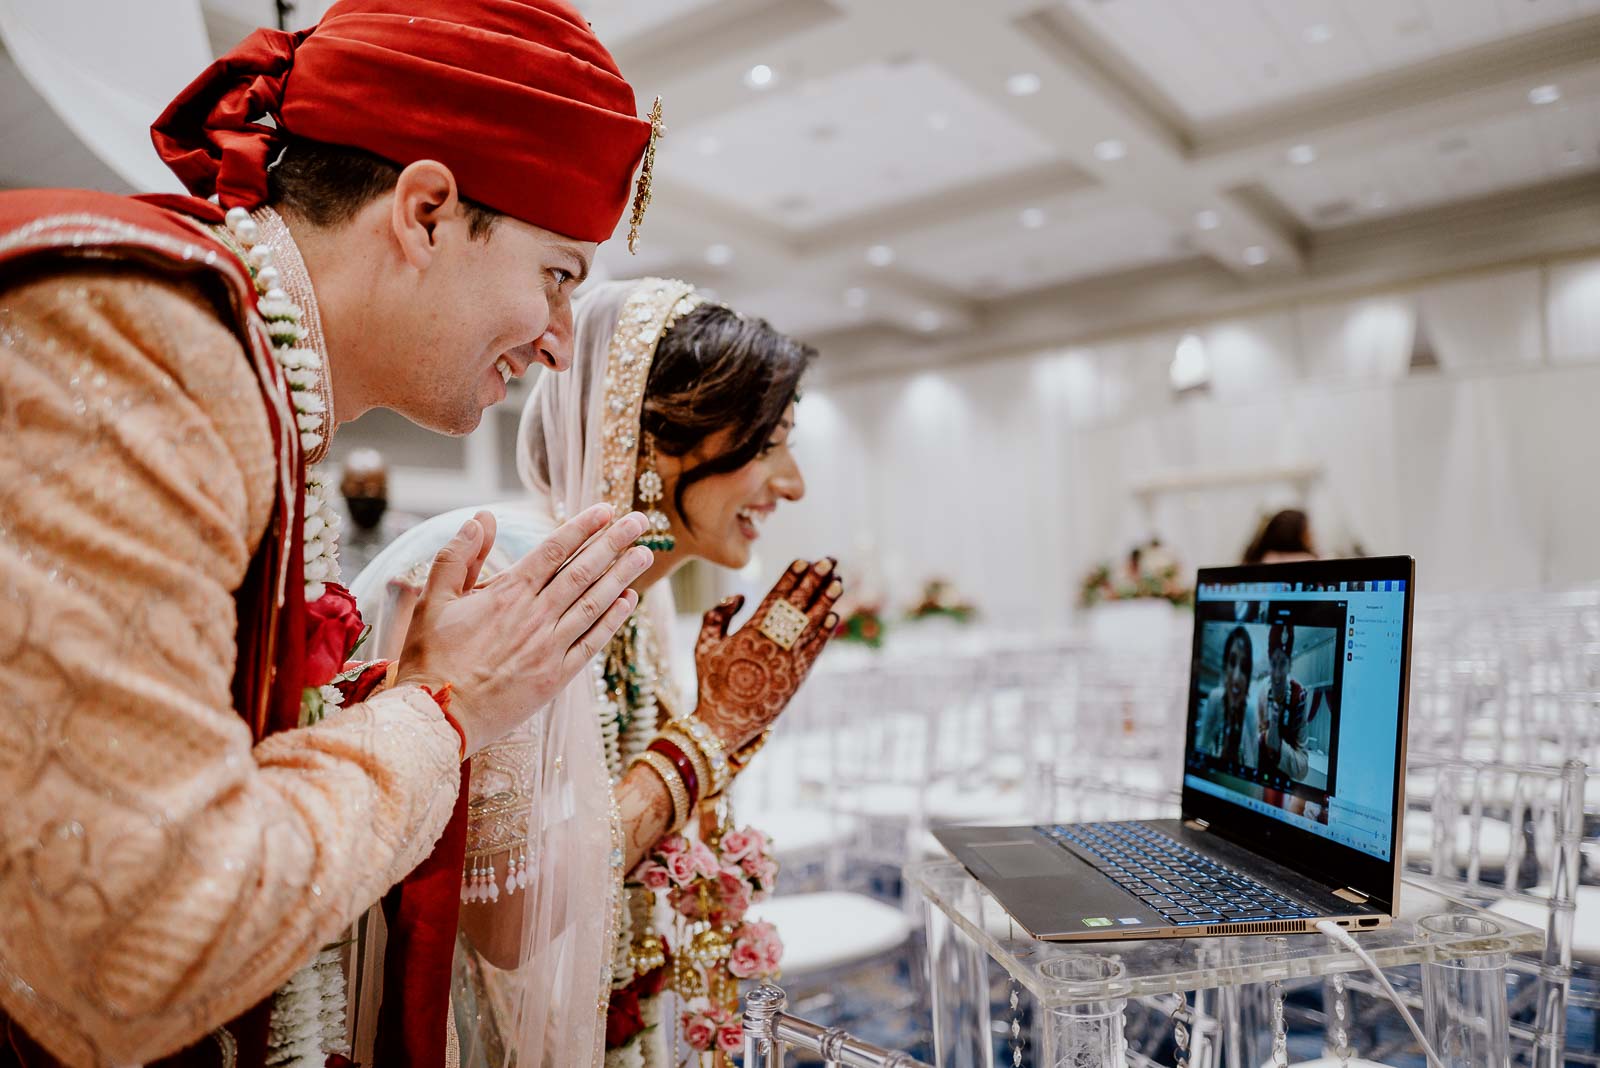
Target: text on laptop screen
(1297, 701)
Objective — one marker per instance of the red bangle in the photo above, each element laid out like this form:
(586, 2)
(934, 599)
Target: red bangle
(441, 697)
(691, 781)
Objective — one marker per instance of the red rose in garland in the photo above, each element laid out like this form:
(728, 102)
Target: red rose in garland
(333, 626)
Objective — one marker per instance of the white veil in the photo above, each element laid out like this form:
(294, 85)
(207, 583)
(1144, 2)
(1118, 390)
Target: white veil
(554, 1002)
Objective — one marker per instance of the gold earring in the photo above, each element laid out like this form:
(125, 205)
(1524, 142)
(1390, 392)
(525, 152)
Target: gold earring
(658, 538)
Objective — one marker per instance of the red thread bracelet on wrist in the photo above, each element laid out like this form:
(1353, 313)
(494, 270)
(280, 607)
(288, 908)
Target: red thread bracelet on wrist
(441, 697)
(691, 781)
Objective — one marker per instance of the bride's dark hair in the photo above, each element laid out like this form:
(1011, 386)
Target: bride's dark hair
(718, 370)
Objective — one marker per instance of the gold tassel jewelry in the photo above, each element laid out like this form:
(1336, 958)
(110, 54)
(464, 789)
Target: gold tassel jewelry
(659, 537)
(641, 195)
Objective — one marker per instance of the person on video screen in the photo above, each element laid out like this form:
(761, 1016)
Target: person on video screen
(1280, 710)
(1221, 732)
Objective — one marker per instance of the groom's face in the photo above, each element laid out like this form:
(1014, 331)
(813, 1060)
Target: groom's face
(500, 304)
(464, 312)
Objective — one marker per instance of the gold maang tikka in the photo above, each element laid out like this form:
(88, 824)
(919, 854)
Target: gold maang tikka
(658, 538)
(641, 195)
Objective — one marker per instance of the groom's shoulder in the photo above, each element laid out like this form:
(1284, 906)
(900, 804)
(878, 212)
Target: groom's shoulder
(43, 231)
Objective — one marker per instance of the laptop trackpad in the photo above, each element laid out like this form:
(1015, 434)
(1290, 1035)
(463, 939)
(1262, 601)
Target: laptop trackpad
(1025, 857)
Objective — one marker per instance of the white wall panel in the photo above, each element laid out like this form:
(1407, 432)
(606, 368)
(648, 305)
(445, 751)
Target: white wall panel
(1574, 312)
(1489, 321)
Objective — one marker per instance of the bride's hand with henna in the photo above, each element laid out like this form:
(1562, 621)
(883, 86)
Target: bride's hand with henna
(748, 677)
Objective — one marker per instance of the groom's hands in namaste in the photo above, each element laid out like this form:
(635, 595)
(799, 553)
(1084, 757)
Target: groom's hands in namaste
(747, 678)
(509, 646)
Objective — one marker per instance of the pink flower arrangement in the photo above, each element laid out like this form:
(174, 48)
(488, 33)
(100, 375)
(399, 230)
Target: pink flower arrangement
(715, 886)
(746, 842)
(757, 950)
(706, 1028)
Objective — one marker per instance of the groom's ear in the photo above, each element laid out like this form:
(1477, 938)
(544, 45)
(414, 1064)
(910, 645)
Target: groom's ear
(425, 201)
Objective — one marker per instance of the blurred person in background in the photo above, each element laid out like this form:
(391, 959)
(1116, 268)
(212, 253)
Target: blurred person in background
(1281, 538)
(370, 523)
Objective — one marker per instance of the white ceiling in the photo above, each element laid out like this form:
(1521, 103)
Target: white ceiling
(816, 155)
(1061, 239)
(893, 123)
(1224, 57)
(888, 185)
(1456, 163)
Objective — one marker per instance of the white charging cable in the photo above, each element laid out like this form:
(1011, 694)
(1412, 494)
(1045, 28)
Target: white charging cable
(1341, 936)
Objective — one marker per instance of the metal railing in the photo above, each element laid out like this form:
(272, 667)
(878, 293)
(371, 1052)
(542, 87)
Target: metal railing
(768, 1030)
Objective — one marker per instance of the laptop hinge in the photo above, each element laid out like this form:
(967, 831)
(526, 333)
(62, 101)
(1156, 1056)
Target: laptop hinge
(1197, 824)
(1352, 895)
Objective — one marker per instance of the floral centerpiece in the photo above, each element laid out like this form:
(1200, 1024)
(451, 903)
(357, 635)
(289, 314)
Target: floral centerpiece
(709, 946)
(939, 600)
(864, 624)
(1151, 571)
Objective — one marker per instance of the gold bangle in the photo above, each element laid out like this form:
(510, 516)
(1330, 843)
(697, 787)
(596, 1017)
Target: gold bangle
(711, 748)
(696, 757)
(670, 778)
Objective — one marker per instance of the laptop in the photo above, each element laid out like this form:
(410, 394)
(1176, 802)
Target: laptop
(1293, 775)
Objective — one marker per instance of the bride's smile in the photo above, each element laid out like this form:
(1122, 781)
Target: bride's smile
(722, 514)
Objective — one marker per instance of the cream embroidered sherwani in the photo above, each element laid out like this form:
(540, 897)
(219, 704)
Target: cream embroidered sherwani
(158, 874)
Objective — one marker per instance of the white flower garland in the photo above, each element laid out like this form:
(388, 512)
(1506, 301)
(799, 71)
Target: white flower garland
(308, 1019)
(308, 1015)
(303, 370)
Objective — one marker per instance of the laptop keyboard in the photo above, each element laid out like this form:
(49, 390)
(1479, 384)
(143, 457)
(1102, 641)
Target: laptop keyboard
(1184, 886)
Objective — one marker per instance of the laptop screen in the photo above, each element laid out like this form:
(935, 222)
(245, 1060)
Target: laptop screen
(1295, 702)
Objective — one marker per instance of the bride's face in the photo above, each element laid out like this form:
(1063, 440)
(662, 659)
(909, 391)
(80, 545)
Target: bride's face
(728, 510)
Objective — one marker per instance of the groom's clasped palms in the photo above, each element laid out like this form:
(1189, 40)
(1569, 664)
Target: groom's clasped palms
(509, 646)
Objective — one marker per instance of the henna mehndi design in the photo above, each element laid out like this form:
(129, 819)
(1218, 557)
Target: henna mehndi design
(746, 678)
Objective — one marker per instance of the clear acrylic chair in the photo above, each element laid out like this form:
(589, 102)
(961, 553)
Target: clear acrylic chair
(1537, 880)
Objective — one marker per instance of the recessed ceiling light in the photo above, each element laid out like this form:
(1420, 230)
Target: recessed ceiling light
(938, 120)
(760, 76)
(1025, 83)
(1255, 256)
(1206, 219)
(1300, 155)
(880, 255)
(1110, 150)
(855, 297)
(1032, 218)
(1317, 33)
(928, 320)
(1544, 94)
(719, 255)
(708, 145)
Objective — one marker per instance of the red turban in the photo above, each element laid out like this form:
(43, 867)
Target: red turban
(517, 97)
(1281, 636)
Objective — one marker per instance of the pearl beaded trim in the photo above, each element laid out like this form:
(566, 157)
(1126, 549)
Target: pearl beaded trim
(304, 371)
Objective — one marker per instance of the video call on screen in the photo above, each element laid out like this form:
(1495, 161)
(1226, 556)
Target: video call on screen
(1295, 707)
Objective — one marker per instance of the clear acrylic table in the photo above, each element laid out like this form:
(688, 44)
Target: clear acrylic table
(1080, 991)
